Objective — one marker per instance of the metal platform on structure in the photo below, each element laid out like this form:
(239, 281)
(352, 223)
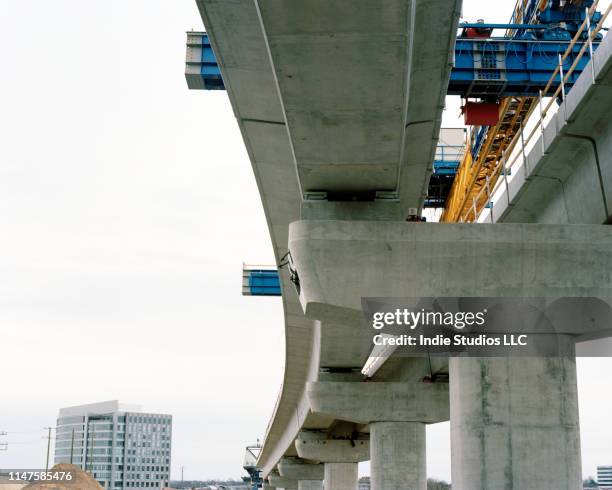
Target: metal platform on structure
(201, 68)
(260, 280)
(448, 156)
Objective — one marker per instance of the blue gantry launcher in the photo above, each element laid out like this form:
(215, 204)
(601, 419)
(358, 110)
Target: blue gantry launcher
(501, 67)
(559, 20)
(518, 64)
(201, 69)
(250, 465)
(258, 280)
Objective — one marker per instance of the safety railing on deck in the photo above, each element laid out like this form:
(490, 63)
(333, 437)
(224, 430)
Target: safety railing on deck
(503, 165)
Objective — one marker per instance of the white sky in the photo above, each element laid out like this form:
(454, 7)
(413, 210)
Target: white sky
(127, 206)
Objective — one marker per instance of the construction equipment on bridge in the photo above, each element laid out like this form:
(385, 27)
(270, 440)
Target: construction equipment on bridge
(549, 23)
(483, 199)
(481, 113)
(560, 19)
(509, 72)
(449, 151)
(260, 280)
(479, 167)
(201, 68)
(250, 460)
(503, 67)
(497, 67)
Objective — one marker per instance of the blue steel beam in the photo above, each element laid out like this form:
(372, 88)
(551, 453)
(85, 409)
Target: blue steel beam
(483, 25)
(444, 167)
(202, 70)
(500, 67)
(493, 67)
(260, 282)
(263, 283)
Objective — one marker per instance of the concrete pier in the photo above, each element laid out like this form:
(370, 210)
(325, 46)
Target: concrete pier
(514, 424)
(308, 475)
(283, 482)
(341, 476)
(310, 485)
(396, 414)
(340, 457)
(398, 456)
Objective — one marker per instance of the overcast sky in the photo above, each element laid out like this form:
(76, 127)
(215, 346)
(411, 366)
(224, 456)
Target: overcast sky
(127, 206)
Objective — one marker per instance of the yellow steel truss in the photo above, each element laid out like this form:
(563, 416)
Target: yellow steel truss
(465, 200)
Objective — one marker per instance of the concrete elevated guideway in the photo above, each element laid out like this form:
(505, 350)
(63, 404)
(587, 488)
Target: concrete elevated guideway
(568, 177)
(330, 98)
(339, 108)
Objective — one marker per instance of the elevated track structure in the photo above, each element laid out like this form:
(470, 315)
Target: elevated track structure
(339, 108)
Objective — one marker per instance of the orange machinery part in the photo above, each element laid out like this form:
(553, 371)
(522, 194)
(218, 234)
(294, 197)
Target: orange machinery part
(481, 113)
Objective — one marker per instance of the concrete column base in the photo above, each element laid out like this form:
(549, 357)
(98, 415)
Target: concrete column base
(398, 456)
(285, 483)
(514, 424)
(341, 476)
(310, 485)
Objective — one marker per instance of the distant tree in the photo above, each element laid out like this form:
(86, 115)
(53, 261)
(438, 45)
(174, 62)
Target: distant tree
(433, 484)
(590, 483)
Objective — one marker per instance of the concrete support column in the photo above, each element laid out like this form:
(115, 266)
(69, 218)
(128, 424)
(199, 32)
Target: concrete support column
(514, 424)
(398, 456)
(310, 485)
(283, 482)
(308, 476)
(340, 457)
(341, 476)
(396, 413)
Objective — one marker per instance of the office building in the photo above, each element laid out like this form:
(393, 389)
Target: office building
(604, 477)
(118, 444)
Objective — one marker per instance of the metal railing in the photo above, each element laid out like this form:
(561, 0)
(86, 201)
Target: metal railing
(504, 165)
(449, 153)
